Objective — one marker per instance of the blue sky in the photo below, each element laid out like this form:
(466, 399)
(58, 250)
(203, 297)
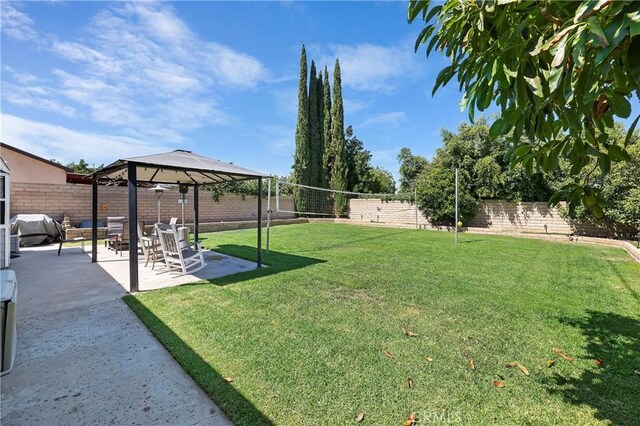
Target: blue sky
(106, 80)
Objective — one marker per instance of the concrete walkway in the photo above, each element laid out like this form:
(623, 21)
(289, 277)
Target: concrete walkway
(84, 358)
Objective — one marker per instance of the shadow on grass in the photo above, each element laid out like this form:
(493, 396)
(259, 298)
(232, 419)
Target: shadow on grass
(233, 403)
(471, 241)
(613, 388)
(276, 262)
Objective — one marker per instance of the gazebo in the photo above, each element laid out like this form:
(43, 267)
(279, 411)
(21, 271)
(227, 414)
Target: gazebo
(177, 167)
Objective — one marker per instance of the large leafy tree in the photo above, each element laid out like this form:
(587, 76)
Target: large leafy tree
(301, 160)
(560, 72)
(358, 162)
(410, 168)
(339, 169)
(83, 167)
(381, 181)
(484, 174)
(361, 175)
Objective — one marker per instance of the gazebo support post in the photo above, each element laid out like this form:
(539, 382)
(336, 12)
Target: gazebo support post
(196, 213)
(259, 254)
(94, 220)
(132, 183)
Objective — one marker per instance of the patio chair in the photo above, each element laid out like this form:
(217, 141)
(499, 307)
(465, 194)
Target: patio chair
(117, 234)
(62, 230)
(150, 245)
(177, 256)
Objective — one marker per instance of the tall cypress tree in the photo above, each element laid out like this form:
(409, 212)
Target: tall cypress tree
(315, 129)
(327, 157)
(339, 170)
(301, 156)
(320, 106)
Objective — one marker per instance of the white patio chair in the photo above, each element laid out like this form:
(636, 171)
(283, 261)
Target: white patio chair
(177, 255)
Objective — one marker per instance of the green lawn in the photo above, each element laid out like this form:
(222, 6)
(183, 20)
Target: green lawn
(303, 339)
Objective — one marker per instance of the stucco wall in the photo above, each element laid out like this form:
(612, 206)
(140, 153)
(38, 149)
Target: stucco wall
(29, 170)
(74, 201)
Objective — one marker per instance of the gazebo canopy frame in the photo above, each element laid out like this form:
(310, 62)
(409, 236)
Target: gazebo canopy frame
(178, 167)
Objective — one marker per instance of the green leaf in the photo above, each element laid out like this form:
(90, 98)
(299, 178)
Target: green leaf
(554, 79)
(510, 67)
(556, 198)
(596, 30)
(536, 85)
(522, 150)
(631, 130)
(558, 58)
(604, 163)
(617, 153)
(632, 20)
(597, 212)
(496, 128)
(443, 75)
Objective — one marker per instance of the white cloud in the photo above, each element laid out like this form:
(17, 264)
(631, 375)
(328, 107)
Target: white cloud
(15, 23)
(66, 145)
(139, 69)
(37, 97)
(371, 67)
(352, 106)
(385, 119)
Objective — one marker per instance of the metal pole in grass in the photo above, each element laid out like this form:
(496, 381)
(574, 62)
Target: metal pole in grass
(268, 211)
(456, 205)
(415, 203)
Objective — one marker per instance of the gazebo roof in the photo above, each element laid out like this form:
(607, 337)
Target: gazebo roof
(177, 167)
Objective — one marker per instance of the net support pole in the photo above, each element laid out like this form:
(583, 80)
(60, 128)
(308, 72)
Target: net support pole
(259, 252)
(415, 204)
(268, 211)
(277, 196)
(456, 205)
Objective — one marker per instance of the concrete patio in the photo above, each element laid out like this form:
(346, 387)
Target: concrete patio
(83, 357)
(117, 266)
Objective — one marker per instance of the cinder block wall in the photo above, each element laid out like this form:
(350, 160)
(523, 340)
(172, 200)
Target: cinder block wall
(492, 215)
(74, 201)
(376, 210)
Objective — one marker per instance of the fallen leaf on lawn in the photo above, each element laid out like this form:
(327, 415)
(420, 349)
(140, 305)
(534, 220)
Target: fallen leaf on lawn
(465, 352)
(411, 420)
(498, 384)
(228, 379)
(550, 363)
(410, 382)
(598, 362)
(520, 367)
(471, 364)
(387, 353)
(360, 417)
(408, 333)
(429, 359)
(560, 353)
